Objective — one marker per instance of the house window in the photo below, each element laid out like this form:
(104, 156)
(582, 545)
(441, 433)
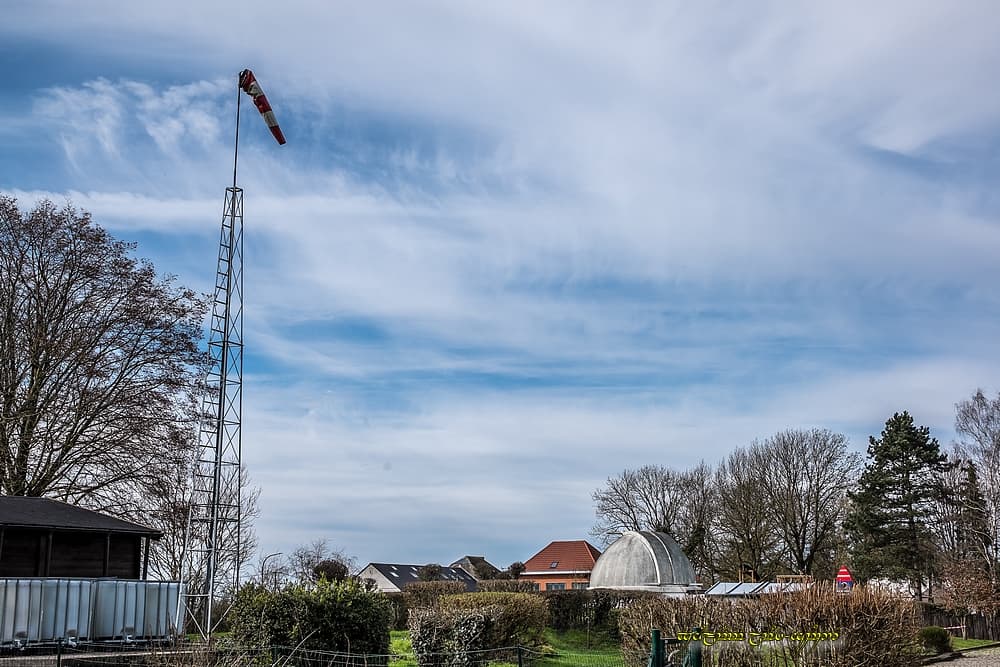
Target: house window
(555, 587)
(579, 585)
(554, 564)
(534, 586)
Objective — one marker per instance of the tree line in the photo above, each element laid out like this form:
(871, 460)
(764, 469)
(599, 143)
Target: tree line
(801, 502)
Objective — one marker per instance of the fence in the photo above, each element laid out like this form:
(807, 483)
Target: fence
(277, 656)
(977, 626)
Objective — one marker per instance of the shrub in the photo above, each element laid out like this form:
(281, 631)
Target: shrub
(332, 616)
(935, 639)
(464, 624)
(505, 586)
(589, 609)
(873, 628)
(426, 593)
(515, 619)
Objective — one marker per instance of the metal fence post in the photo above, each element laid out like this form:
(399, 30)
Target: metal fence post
(656, 650)
(520, 656)
(59, 652)
(694, 658)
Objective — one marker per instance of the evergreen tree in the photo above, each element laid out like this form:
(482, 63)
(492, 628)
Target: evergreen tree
(972, 530)
(888, 521)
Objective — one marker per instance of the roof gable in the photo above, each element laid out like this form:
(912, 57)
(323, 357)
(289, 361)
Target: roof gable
(564, 556)
(45, 513)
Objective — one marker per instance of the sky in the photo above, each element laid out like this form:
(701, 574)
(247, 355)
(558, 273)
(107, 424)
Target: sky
(512, 249)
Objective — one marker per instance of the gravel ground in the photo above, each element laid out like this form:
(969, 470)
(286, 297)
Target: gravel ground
(986, 658)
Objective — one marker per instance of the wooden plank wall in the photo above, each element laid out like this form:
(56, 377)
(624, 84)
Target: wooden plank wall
(73, 554)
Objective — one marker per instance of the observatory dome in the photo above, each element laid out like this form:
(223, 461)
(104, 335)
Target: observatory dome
(645, 561)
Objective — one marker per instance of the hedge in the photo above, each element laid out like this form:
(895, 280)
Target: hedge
(864, 627)
(421, 594)
(330, 616)
(505, 586)
(593, 609)
(463, 624)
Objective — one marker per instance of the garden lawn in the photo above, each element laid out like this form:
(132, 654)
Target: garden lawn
(562, 650)
(958, 643)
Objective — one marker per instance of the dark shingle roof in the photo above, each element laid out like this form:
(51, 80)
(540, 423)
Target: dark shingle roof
(472, 562)
(401, 575)
(23, 512)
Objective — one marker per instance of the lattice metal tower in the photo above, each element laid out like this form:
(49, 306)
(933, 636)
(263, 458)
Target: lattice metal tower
(213, 539)
(212, 543)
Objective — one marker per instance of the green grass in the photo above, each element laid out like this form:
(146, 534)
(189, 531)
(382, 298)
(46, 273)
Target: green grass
(563, 649)
(958, 643)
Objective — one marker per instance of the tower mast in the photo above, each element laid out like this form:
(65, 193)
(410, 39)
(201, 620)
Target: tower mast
(213, 550)
(214, 532)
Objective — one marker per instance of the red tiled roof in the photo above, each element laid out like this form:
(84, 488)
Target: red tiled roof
(568, 555)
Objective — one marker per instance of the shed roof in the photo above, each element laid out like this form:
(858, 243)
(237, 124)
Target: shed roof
(45, 513)
(563, 556)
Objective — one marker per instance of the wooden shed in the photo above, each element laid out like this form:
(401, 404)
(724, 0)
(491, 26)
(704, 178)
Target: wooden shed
(40, 537)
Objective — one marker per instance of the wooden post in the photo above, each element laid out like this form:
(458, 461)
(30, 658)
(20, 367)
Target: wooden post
(48, 556)
(107, 554)
(145, 558)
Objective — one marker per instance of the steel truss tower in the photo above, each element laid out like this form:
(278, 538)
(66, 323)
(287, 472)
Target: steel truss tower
(212, 541)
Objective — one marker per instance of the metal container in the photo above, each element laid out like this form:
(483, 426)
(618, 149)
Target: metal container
(47, 609)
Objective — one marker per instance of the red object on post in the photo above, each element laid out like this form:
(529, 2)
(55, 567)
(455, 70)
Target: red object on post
(249, 85)
(844, 580)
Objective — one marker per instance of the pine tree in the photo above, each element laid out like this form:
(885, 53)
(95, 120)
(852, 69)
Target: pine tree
(888, 521)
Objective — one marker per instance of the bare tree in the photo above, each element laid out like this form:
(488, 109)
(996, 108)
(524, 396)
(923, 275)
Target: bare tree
(806, 475)
(308, 562)
(658, 498)
(99, 362)
(749, 542)
(977, 422)
(648, 498)
(696, 527)
(168, 509)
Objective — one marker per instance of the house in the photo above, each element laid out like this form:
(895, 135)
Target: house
(477, 564)
(393, 577)
(563, 564)
(40, 537)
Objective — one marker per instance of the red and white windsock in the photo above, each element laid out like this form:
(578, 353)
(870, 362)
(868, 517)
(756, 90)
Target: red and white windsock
(249, 85)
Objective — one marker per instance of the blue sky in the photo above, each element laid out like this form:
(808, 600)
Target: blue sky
(511, 250)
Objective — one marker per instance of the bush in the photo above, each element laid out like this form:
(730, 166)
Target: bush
(935, 639)
(873, 628)
(589, 609)
(332, 616)
(420, 594)
(516, 619)
(505, 586)
(464, 624)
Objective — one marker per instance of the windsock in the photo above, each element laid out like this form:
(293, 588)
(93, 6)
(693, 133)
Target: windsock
(250, 86)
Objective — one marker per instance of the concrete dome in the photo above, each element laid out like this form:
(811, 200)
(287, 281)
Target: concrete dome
(644, 561)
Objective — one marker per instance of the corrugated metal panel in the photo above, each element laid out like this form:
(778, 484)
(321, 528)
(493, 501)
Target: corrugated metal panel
(45, 610)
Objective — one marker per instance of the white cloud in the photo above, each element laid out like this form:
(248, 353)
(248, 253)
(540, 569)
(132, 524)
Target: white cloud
(663, 227)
